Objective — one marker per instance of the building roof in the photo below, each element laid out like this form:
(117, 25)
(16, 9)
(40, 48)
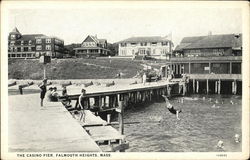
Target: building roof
(94, 38)
(15, 31)
(27, 37)
(145, 39)
(211, 41)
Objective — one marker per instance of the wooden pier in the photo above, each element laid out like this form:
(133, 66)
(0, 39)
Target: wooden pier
(69, 128)
(50, 129)
(109, 100)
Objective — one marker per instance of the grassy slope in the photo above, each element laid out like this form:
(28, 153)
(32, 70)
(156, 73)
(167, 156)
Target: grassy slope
(72, 69)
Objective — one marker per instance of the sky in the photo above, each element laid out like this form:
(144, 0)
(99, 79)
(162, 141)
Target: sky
(118, 23)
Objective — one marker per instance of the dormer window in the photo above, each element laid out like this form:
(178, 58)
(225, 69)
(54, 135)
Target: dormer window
(13, 36)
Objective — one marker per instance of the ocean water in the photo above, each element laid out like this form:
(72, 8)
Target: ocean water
(198, 130)
(200, 127)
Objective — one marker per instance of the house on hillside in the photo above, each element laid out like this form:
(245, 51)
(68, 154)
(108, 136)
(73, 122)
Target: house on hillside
(33, 45)
(92, 46)
(154, 46)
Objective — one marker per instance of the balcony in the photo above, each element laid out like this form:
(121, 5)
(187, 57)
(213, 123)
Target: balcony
(217, 58)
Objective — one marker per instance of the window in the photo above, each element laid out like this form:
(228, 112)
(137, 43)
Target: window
(18, 55)
(28, 55)
(12, 43)
(154, 43)
(13, 36)
(25, 49)
(123, 44)
(48, 47)
(39, 41)
(23, 55)
(13, 55)
(164, 43)
(48, 40)
(197, 65)
(216, 65)
(144, 44)
(39, 47)
(133, 44)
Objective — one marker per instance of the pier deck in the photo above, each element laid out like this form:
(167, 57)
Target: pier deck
(50, 129)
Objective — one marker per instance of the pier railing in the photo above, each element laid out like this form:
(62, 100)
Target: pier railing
(217, 58)
(216, 76)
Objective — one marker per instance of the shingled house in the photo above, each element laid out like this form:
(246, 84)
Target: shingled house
(211, 57)
(92, 46)
(211, 45)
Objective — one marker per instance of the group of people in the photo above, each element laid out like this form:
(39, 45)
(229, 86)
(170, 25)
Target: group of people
(52, 94)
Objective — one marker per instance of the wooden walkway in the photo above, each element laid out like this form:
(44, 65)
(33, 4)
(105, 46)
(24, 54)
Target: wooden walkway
(52, 128)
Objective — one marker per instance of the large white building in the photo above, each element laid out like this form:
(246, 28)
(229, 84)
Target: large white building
(155, 47)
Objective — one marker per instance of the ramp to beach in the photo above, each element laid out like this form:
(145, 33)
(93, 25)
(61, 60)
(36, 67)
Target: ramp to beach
(52, 128)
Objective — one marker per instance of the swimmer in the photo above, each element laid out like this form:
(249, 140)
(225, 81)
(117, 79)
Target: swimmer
(220, 144)
(203, 98)
(182, 100)
(214, 106)
(231, 102)
(210, 99)
(216, 101)
(237, 138)
(171, 108)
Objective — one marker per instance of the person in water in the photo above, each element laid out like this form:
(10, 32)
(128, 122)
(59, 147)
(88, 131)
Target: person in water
(171, 108)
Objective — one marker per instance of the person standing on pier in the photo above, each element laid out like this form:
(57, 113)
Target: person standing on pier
(80, 100)
(43, 88)
(171, 108)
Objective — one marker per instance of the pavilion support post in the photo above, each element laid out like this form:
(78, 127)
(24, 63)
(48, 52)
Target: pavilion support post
(219, 86)
(216, 86)
(197, 86)
(193, 85)
(189, 68)
(207, 86)
(235, 90)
